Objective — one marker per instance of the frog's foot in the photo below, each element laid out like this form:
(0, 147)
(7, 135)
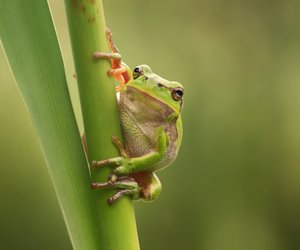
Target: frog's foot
(127, 186)
(107, 55)
(118, 70)
(122, 163)
(110, 183)
(114, 56)
(140, 186)
(110, 40)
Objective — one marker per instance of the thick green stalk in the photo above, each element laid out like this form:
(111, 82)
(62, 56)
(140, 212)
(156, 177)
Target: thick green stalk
(101, 119)
(31, 46)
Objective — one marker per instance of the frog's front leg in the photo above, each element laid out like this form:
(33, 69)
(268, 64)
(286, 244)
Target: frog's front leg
(126, 165)
(118, 69)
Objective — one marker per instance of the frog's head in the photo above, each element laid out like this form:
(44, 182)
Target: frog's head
(168, 92)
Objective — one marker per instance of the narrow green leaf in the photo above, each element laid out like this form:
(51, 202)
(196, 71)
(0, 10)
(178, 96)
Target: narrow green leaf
(31, 46)
(101, 118)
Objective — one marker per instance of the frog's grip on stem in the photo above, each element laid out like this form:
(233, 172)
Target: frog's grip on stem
(110, 183)
(98, 164)
(111, 43)
(107, 55)
(118, 195)
(112, 161)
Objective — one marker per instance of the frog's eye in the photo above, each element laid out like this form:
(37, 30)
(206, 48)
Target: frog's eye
(137, 72)
(177, 94)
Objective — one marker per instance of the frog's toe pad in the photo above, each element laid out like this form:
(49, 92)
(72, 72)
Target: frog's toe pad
(98, 164)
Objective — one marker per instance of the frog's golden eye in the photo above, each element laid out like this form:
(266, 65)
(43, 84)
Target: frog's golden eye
(137, 72)
(177, 94)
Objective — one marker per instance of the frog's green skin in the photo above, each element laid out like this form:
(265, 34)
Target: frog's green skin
(150, 111)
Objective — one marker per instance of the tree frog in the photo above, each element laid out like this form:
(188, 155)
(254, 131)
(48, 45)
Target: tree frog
(150, 111)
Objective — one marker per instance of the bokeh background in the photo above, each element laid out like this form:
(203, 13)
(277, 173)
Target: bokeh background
(236, 182)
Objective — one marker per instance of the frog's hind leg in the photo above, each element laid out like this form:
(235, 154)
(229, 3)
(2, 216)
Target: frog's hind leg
(141, 185)
(150, 186)
(118, 74)
(114, 55)
(127, 186)
(118, 70)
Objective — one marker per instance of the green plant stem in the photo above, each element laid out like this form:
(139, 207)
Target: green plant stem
(101, 118)
(31, 46)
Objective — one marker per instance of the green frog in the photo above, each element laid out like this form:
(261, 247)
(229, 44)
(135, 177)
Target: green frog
(150, 113)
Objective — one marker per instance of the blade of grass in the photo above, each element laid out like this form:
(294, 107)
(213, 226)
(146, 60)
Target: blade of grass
(31, 46)
(100, 114)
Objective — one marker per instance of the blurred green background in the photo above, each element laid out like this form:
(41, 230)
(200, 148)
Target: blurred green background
(236, 182)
